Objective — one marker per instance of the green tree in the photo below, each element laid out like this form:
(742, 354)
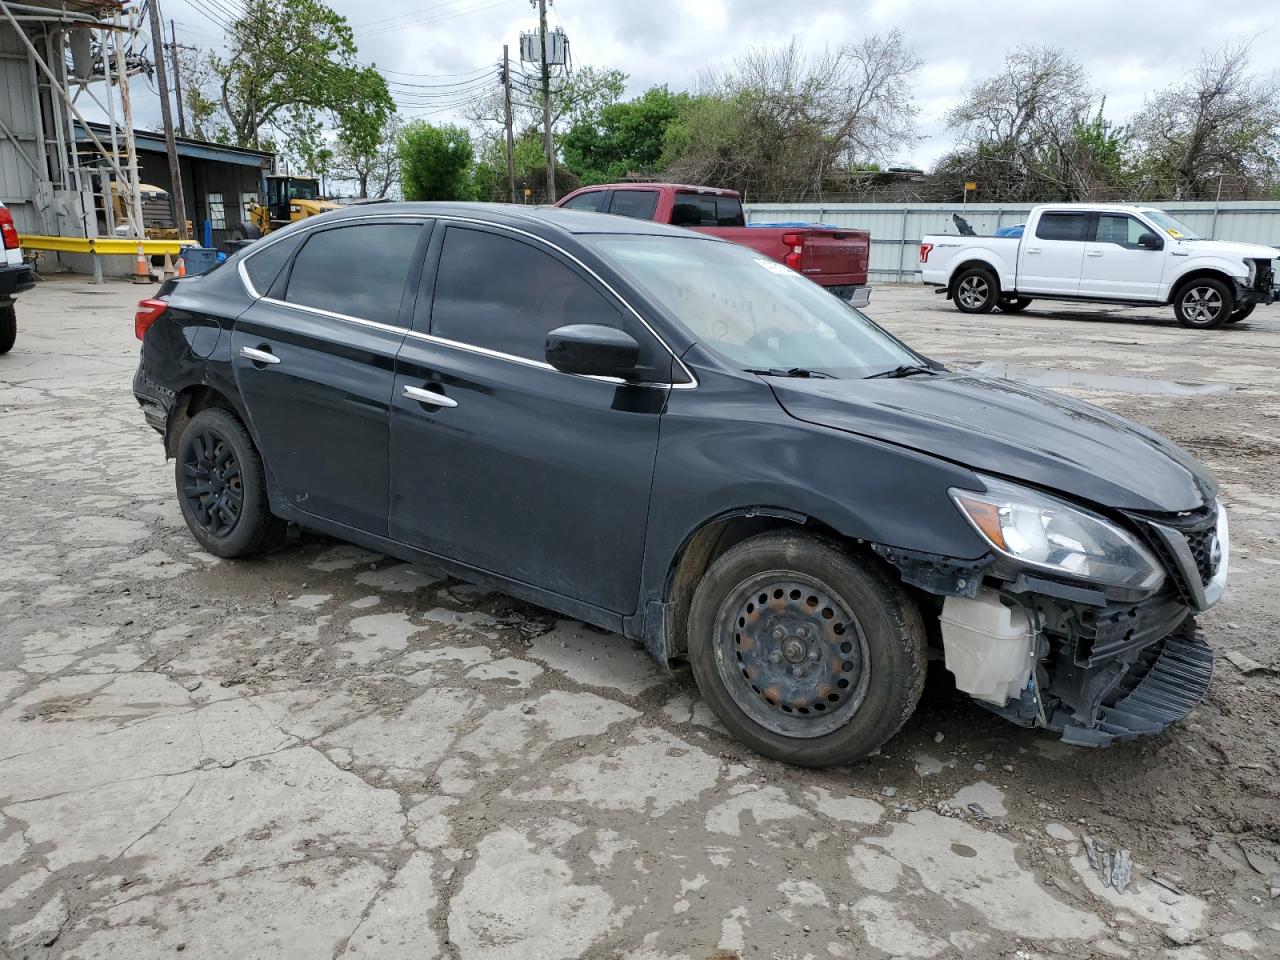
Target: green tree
(295, 56)
(623, 137)
(375, 172)
(435, 162)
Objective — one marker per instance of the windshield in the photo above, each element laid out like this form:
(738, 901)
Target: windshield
(303, 189)
(753, 312)
(1174, 228)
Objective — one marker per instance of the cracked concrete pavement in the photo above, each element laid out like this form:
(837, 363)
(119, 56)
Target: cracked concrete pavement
(326, 753)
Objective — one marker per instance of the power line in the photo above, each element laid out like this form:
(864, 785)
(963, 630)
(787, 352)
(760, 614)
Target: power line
(481, 7)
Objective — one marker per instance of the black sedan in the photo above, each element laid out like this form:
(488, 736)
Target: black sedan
(672, 437)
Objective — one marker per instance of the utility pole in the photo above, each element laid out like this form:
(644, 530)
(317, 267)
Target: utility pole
(511, 145)
(177, 79)
(548, 143)
(166, 114)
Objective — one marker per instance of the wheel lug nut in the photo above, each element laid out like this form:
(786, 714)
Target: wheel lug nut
(778, 633)
(775, 657)
(813, 656)
(797, 671)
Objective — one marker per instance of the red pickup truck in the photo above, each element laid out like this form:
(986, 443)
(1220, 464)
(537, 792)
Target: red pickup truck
(832, 258)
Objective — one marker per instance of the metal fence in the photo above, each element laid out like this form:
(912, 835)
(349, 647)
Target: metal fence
(896, 228)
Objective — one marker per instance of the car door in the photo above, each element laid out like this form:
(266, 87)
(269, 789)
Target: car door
(1050, 259)
(1117, 265)
(314, 360)
(520, 470)
(636, 204)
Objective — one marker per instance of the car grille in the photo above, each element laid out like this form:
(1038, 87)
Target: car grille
(1198, 528)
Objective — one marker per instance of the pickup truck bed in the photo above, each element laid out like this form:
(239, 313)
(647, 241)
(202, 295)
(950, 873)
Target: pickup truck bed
(834, 258)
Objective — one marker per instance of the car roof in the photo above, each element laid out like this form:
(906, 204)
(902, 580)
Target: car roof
(545, 221)
(677, 187)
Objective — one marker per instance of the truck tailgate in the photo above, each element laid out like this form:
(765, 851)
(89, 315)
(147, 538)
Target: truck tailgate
(830, 257)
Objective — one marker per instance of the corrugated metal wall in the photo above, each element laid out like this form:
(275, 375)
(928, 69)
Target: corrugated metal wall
(17, 114)
(896, 228)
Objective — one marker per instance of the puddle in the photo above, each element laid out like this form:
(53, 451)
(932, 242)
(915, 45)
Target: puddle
(1079, 380)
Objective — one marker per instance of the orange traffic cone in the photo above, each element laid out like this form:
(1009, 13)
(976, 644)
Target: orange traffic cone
(182, 266)
(141, 270)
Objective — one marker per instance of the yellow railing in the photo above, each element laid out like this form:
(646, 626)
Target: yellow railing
(105, 245)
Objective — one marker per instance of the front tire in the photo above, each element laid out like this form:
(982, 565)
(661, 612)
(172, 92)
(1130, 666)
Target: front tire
(8, 326)
(975, 291)
(222, 486)
(806, 654)
(1203, 304)
(1241, 313)
(1013, 304)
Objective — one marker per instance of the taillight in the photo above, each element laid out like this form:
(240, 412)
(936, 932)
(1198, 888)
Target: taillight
(924, 252)
(796, 244)
(8, 232)
(149, 312)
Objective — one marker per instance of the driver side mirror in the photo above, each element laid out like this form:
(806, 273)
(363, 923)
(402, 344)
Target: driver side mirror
(593, 350)
(1149, 241)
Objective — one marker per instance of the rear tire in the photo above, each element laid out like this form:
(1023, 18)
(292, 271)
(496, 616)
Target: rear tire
(1013, 304)
(8, 326)
(1241, 312)
(975, 291)
(222, 488)
(1203, 304)
(826, 669)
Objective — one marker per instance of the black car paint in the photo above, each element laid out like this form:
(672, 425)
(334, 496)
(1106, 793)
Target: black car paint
(581, 494)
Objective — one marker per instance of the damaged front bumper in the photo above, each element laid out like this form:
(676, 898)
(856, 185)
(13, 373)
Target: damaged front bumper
(1092, 667)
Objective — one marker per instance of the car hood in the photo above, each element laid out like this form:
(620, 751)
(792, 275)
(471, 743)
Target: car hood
(1012, 430)
(1229, 248)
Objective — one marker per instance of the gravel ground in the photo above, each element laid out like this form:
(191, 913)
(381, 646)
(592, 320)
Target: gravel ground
(325, 753)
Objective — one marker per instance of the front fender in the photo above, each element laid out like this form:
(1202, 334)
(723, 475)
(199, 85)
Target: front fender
(1180, 267)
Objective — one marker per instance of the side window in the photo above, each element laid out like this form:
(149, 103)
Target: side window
(264, 266)
(586, 201)
(1120, 229)
(503, 294)
(1062, 226)
(691, 210)
(637, 204)
(360, 270)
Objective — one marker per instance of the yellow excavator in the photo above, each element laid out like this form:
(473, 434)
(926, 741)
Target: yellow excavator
(286, 198)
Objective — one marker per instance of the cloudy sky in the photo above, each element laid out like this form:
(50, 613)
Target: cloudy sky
(435, 52)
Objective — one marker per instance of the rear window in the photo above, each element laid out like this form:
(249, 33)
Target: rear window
(264, 266)
(637, 204)
(1063, 226)
(359, 270)
(705, 210)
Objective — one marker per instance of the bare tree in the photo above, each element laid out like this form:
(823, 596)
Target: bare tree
(1223, 122)
(778, 122)
(1027, 132)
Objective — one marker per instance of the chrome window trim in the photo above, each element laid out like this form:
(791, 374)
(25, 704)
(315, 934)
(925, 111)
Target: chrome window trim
(452, 218)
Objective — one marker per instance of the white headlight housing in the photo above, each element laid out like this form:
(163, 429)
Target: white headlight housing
(1052, 535)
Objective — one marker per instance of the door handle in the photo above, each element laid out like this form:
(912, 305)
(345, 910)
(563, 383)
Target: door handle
(1033, 249)
(429, 396)
(1093, 253)
(258, 356)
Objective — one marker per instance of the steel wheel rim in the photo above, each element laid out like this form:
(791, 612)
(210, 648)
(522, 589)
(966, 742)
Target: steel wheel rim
(211, 483)
(973, 291)
(1202, 304)
(777, 623)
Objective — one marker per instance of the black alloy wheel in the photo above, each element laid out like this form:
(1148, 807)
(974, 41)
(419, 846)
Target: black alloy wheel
(212, 484)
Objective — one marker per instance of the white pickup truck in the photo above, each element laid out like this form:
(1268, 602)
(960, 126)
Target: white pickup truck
(1103, 252)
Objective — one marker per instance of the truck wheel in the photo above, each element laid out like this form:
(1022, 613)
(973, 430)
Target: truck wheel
(806, 654)
(8, 326)
(1013, 304)
(222, 488)
(976, 291)
(1241, 312)
(1203, 304)
(246, 231)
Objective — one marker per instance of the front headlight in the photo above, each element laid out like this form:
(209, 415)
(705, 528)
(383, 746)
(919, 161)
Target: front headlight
(1047, 533)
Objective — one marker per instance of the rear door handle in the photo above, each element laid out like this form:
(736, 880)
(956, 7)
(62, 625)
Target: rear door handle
(1033, 249)
(258, 356)
(1093, 253)
(429, 396)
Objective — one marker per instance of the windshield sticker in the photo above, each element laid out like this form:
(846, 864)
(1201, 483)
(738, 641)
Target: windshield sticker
(1173, 233)
(773, 267)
